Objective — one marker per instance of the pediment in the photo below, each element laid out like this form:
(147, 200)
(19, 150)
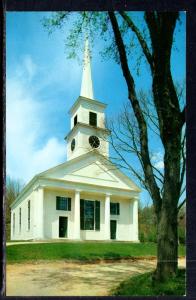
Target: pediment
(95, 171)
(91, 169)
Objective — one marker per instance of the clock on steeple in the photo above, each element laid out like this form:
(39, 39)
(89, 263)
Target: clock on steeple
(88, 130)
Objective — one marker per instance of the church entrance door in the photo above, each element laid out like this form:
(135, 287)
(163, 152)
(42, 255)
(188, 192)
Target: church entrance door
(62, 226)
(113, 224)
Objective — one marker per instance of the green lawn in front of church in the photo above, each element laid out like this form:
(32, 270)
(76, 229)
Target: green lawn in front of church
(83, 251)
(143, 285)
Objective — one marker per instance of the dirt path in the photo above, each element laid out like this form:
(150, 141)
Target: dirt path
(61, 278)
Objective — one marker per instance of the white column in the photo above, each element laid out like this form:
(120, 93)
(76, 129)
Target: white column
(77, 215)
(37, 221)
(107, 216)
(135, 217)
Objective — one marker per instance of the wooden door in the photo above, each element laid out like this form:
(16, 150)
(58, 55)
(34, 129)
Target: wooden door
(62, 226)
(113, 225)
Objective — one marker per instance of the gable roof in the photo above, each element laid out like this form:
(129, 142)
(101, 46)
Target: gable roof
(89, 168)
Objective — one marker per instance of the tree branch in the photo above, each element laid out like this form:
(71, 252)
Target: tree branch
(136, 174)
(181, 204)
(147, 166)
(183, 162)
(141, 40)
(183, 116)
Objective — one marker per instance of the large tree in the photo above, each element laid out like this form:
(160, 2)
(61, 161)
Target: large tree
(156, 46)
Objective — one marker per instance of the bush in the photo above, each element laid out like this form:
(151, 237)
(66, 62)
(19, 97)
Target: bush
(141, 237)
(147, 234)
(152, 237)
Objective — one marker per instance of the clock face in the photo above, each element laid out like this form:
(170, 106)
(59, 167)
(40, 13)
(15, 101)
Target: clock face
(73, 143)
(94, 141)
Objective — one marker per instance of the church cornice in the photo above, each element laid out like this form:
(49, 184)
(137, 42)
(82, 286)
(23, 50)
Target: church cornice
(84, 125)
(87, 187)
(84, 99)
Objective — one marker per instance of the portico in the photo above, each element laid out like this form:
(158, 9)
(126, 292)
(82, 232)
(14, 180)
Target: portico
(96, 223)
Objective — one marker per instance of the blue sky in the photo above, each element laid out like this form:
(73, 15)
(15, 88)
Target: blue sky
(42, 84)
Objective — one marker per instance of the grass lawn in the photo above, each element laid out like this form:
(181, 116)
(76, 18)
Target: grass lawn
(80, 251)
(142, 285)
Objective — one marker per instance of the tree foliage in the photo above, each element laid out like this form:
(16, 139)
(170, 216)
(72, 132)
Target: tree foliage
(13, 188)
(148, 228)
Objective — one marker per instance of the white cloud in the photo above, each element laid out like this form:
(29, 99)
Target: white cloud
(24, 126)
(159, 165)
(29, 66)
(157, 160)
(53, 151)
(65, 74)
(156, 156)
(26, 69)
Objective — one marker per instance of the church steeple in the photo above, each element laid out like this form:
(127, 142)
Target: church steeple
(87, 86)
(88, 130)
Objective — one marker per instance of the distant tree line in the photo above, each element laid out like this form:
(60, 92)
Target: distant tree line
(13, 188)
(147, 224)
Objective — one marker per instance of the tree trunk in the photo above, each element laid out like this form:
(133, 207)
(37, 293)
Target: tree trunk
(161, 27)
(167, 243)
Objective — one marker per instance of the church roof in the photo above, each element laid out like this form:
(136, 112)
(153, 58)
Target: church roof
(90, 157)
(91, 168)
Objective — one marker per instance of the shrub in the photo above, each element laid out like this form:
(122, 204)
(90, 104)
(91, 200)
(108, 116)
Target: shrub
(141, 237)
(152, 237)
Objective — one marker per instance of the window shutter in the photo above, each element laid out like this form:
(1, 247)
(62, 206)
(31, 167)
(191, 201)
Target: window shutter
(97, 215)
(92, 118)
(118, 208)
(69, 204)
(75, 120)
(57, 202)
(81, 214)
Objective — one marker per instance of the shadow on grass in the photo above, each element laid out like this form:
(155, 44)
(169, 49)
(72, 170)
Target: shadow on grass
(95, 258)
(142, 285)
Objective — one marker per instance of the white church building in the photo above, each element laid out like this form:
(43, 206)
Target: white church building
(87, 197)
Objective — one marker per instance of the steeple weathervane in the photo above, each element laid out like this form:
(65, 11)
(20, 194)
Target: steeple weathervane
(87, 86)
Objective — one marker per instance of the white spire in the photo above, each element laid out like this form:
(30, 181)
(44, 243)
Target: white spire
(87, 86)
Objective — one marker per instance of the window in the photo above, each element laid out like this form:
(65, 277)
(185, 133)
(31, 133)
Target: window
(97, 215)
(114, 208)
(75, 120)
(63, 203)
(13, 223)
(89, 215)
(92, 118)
(73, 144)
(29, 215)
(20, 219)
